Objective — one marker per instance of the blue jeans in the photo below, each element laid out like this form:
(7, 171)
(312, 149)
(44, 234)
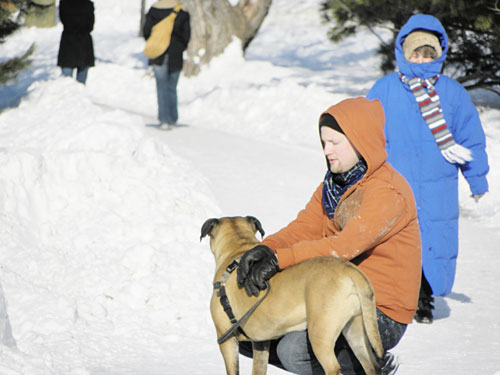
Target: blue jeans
(293, 352)
(166, 91)
(81, 73)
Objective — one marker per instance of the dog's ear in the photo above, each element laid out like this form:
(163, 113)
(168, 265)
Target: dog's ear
(207, 227)
(258, 225)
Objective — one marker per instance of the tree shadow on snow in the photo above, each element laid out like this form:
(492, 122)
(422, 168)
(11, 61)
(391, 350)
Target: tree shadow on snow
(12, 93)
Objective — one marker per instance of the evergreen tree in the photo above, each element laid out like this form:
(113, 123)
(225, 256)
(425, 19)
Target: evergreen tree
(473, 29)
(10, 13)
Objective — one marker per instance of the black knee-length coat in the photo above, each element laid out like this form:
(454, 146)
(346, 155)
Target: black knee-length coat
(76, 48)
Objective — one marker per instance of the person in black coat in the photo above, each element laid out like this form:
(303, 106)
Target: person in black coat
(168, 66)
(76, 50)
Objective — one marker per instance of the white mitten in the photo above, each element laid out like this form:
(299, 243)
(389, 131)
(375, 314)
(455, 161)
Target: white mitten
(457, 154)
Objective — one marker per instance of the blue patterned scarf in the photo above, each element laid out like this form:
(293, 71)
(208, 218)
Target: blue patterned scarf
(336, 184)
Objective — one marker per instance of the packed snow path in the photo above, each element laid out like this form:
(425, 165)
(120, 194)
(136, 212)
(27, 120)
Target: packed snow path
(236, 165)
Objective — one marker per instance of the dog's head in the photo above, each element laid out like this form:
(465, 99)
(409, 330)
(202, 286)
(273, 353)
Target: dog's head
(231, 231)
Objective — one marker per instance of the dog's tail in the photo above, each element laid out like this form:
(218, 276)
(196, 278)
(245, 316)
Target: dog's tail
(369, 312)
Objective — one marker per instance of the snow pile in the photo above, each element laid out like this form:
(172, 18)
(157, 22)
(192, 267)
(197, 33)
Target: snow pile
(99, 225)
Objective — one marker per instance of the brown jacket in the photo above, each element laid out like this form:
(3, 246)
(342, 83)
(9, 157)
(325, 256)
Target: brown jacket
(375, 224)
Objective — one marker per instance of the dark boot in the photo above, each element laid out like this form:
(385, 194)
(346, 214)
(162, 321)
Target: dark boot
(424, 311)
(425, 303)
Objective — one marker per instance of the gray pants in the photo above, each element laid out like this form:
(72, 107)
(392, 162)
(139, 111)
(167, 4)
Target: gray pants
(293, 352)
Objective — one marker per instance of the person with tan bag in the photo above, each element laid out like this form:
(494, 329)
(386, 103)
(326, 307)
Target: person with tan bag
(164, 49)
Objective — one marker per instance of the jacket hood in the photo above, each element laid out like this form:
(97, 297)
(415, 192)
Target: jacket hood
(362, 121)
(425, 70)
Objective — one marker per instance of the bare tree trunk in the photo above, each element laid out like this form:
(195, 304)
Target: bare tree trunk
(41, 13)
(141, 22)
(214, 23)
(254, 12)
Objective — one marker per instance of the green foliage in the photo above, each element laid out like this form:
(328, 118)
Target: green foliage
(10, 69)
(11, 12)
(473, 29)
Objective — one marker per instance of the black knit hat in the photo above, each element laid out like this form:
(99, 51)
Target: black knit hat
(327, 119)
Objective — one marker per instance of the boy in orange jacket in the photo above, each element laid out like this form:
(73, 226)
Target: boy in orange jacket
(364, 211)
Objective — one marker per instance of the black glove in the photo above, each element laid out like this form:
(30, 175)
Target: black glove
(257, 266)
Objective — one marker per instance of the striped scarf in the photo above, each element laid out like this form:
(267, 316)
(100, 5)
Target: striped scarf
(336, 184)
(430, 108)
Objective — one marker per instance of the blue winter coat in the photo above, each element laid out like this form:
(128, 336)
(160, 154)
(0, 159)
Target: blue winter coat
(413, 151)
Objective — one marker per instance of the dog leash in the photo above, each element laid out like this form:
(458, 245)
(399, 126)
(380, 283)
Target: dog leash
(224, 301)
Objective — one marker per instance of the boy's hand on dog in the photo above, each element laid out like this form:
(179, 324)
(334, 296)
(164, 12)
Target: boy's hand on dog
(257, 266)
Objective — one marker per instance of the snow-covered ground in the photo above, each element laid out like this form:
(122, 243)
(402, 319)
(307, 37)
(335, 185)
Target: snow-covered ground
(101, 267)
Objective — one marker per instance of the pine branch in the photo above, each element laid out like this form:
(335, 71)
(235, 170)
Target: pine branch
(10, 69)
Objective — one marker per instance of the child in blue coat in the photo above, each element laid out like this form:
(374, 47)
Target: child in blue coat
(432, 131)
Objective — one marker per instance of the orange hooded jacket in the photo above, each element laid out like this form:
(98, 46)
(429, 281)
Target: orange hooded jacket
(375, 223)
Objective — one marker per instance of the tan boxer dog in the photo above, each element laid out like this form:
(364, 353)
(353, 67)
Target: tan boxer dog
(325, 295)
